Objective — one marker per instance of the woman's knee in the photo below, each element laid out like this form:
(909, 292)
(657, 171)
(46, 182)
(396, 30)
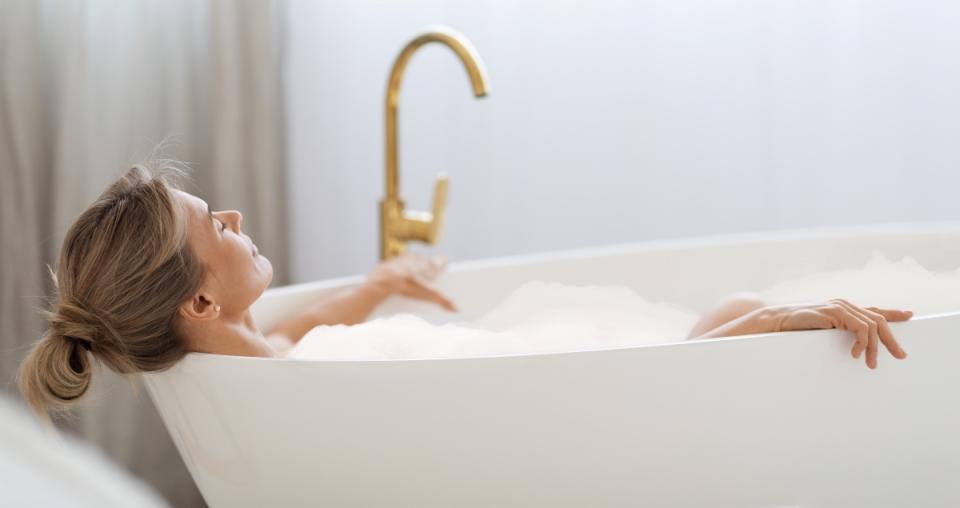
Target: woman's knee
(726, 310)
(742, 303)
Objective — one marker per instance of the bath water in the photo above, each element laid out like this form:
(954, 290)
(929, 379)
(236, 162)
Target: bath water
(549, 317)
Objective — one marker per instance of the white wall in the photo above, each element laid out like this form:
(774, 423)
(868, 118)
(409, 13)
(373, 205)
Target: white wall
(612, 122)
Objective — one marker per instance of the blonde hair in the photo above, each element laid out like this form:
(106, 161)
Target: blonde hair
(124, 269)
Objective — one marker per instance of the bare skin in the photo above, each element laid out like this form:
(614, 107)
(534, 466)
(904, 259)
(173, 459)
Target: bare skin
(745, 314)
(409, 275)
(217, 317)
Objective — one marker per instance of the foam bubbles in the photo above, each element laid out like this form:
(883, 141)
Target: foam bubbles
(548, 317)
(536, 317)
(904, 284)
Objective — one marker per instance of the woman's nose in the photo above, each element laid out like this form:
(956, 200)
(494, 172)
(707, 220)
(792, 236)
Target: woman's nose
(236, 218)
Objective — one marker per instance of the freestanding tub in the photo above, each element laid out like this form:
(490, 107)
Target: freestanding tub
(784, 419)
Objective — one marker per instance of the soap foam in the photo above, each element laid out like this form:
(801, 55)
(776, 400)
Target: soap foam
(548, 317)
(536, 317)
(883, 283)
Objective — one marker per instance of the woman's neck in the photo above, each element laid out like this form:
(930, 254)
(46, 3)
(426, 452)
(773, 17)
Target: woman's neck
(235, 335)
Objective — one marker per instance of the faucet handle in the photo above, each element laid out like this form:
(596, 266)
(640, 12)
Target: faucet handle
(424, 226)
(439, 207)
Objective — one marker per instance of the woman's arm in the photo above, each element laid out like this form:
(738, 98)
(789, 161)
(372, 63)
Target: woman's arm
(869, 323)
(348, 306)
(409, 275)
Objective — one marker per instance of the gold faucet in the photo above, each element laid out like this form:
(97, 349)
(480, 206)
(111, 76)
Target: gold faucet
(397, 225)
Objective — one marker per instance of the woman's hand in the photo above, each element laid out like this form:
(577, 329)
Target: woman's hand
(408, 275)
(869, 324)
(412, 275)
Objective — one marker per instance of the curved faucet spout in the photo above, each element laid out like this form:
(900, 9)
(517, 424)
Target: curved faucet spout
(397, 225)
(475, 71)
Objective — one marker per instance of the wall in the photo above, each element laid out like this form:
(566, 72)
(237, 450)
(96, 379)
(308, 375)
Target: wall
(613, 122)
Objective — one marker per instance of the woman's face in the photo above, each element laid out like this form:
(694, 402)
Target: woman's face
(235, 273)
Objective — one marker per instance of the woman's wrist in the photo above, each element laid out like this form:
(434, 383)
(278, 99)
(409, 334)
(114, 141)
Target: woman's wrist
(377, 290)
(377, 287)
(764, 320)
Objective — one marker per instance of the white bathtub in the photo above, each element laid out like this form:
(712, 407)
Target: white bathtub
(765, 420)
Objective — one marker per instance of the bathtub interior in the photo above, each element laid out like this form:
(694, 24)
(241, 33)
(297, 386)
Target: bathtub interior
(783, 420)
(693, 273)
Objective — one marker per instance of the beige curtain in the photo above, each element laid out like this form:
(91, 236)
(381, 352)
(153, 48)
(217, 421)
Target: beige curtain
(89, 87)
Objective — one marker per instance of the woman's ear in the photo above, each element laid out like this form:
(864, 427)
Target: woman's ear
(200, 307)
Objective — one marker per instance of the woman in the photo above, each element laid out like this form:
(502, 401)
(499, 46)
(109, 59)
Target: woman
(149, 273)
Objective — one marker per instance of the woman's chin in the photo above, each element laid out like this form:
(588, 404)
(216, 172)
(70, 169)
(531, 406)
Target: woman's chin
(266, 267)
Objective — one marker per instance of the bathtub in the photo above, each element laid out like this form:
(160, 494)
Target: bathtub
(766, 420)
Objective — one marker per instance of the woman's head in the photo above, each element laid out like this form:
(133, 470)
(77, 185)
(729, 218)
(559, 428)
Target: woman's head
(235, 273)
(134, 270)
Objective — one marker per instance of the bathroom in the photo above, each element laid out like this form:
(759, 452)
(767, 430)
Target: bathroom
(605, 123)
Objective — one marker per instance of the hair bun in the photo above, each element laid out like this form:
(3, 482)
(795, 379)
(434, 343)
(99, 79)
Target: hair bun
(56, 372)
(72, 376)
(81, 342)
(72, 322)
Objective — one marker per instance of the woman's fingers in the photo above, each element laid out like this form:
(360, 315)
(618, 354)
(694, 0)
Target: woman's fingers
(855, 323)
(429, 267)
(421, 266)
(421, 270)
(846, 321)
(893, 314)
(873, 347)
(883, 329)
(886, 335)
(879, 329)
(426, 290)
(411, 275)
(439, 262)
